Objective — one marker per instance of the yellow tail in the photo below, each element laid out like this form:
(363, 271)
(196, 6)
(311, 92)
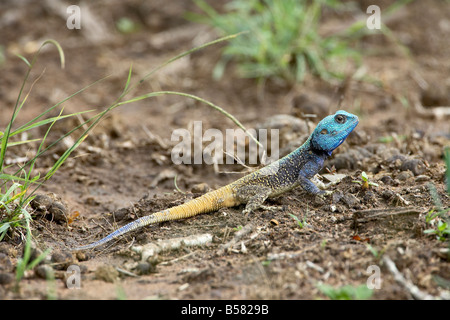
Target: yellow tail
(211, 201)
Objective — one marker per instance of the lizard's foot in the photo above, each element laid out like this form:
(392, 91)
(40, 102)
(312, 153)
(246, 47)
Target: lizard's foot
(255, 201)
(323, 194)
(272, 208)
(326, 193)
(247, 211)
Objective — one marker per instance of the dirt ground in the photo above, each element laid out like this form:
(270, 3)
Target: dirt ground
(123, 170)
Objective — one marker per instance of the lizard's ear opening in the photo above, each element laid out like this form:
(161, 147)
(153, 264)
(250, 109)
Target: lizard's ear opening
(324, 131)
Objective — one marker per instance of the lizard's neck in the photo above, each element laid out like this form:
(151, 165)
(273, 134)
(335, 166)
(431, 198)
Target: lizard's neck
(309, 147)
(307, 153)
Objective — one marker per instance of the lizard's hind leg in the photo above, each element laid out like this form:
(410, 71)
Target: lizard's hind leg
(254, 196)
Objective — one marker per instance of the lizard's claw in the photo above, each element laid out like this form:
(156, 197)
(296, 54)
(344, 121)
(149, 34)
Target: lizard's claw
(324, 193)
(246, 212)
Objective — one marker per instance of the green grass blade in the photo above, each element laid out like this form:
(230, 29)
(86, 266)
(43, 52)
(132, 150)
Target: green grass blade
(127, 84)
(447, 171)
(39, 149)
(61, 102)
(16, 143)
(9, 177)
(221, 110)
(24, 59)
(3, 229)
(45, 121)
(43, 152)
(17, 107)
(6, 197)
(59, 48)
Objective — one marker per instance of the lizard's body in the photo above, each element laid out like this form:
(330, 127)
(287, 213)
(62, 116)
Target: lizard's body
(297, 168)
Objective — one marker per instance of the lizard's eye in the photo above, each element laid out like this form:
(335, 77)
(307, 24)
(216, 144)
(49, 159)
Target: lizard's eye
(324, 131)
(340, 118)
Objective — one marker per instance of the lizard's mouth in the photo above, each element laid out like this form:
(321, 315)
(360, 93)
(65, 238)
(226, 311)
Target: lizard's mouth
(354, 122)
(341, 135)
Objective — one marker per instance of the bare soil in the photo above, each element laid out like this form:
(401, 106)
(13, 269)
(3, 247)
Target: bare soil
(123, 170)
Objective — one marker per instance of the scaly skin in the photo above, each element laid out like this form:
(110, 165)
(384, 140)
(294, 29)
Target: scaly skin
(295, 169)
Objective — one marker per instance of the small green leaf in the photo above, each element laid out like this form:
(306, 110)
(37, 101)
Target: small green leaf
(447, 164)
(364, 176)
(126, 25)
(361, 292)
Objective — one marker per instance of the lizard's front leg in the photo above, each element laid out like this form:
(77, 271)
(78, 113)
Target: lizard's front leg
(311, 188)
(306, 173)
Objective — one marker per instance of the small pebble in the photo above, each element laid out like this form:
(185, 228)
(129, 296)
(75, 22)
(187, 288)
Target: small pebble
(62, 260)
(145, 268)
(350, 199)
(387, 180)
(422, 178)
(41, 202)
(106, 273)
(5, 263)
(405, 175)
(200, 188)
(6, 278)
(58, 212)
(120, 214)
(415, 165)
(43, 271)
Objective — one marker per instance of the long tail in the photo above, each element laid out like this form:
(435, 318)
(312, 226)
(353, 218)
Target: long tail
(211, 201)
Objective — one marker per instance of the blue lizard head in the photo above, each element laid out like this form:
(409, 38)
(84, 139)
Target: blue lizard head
(332, 131)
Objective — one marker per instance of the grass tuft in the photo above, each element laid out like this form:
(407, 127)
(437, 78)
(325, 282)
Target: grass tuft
(18, 185)
(283, 39)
